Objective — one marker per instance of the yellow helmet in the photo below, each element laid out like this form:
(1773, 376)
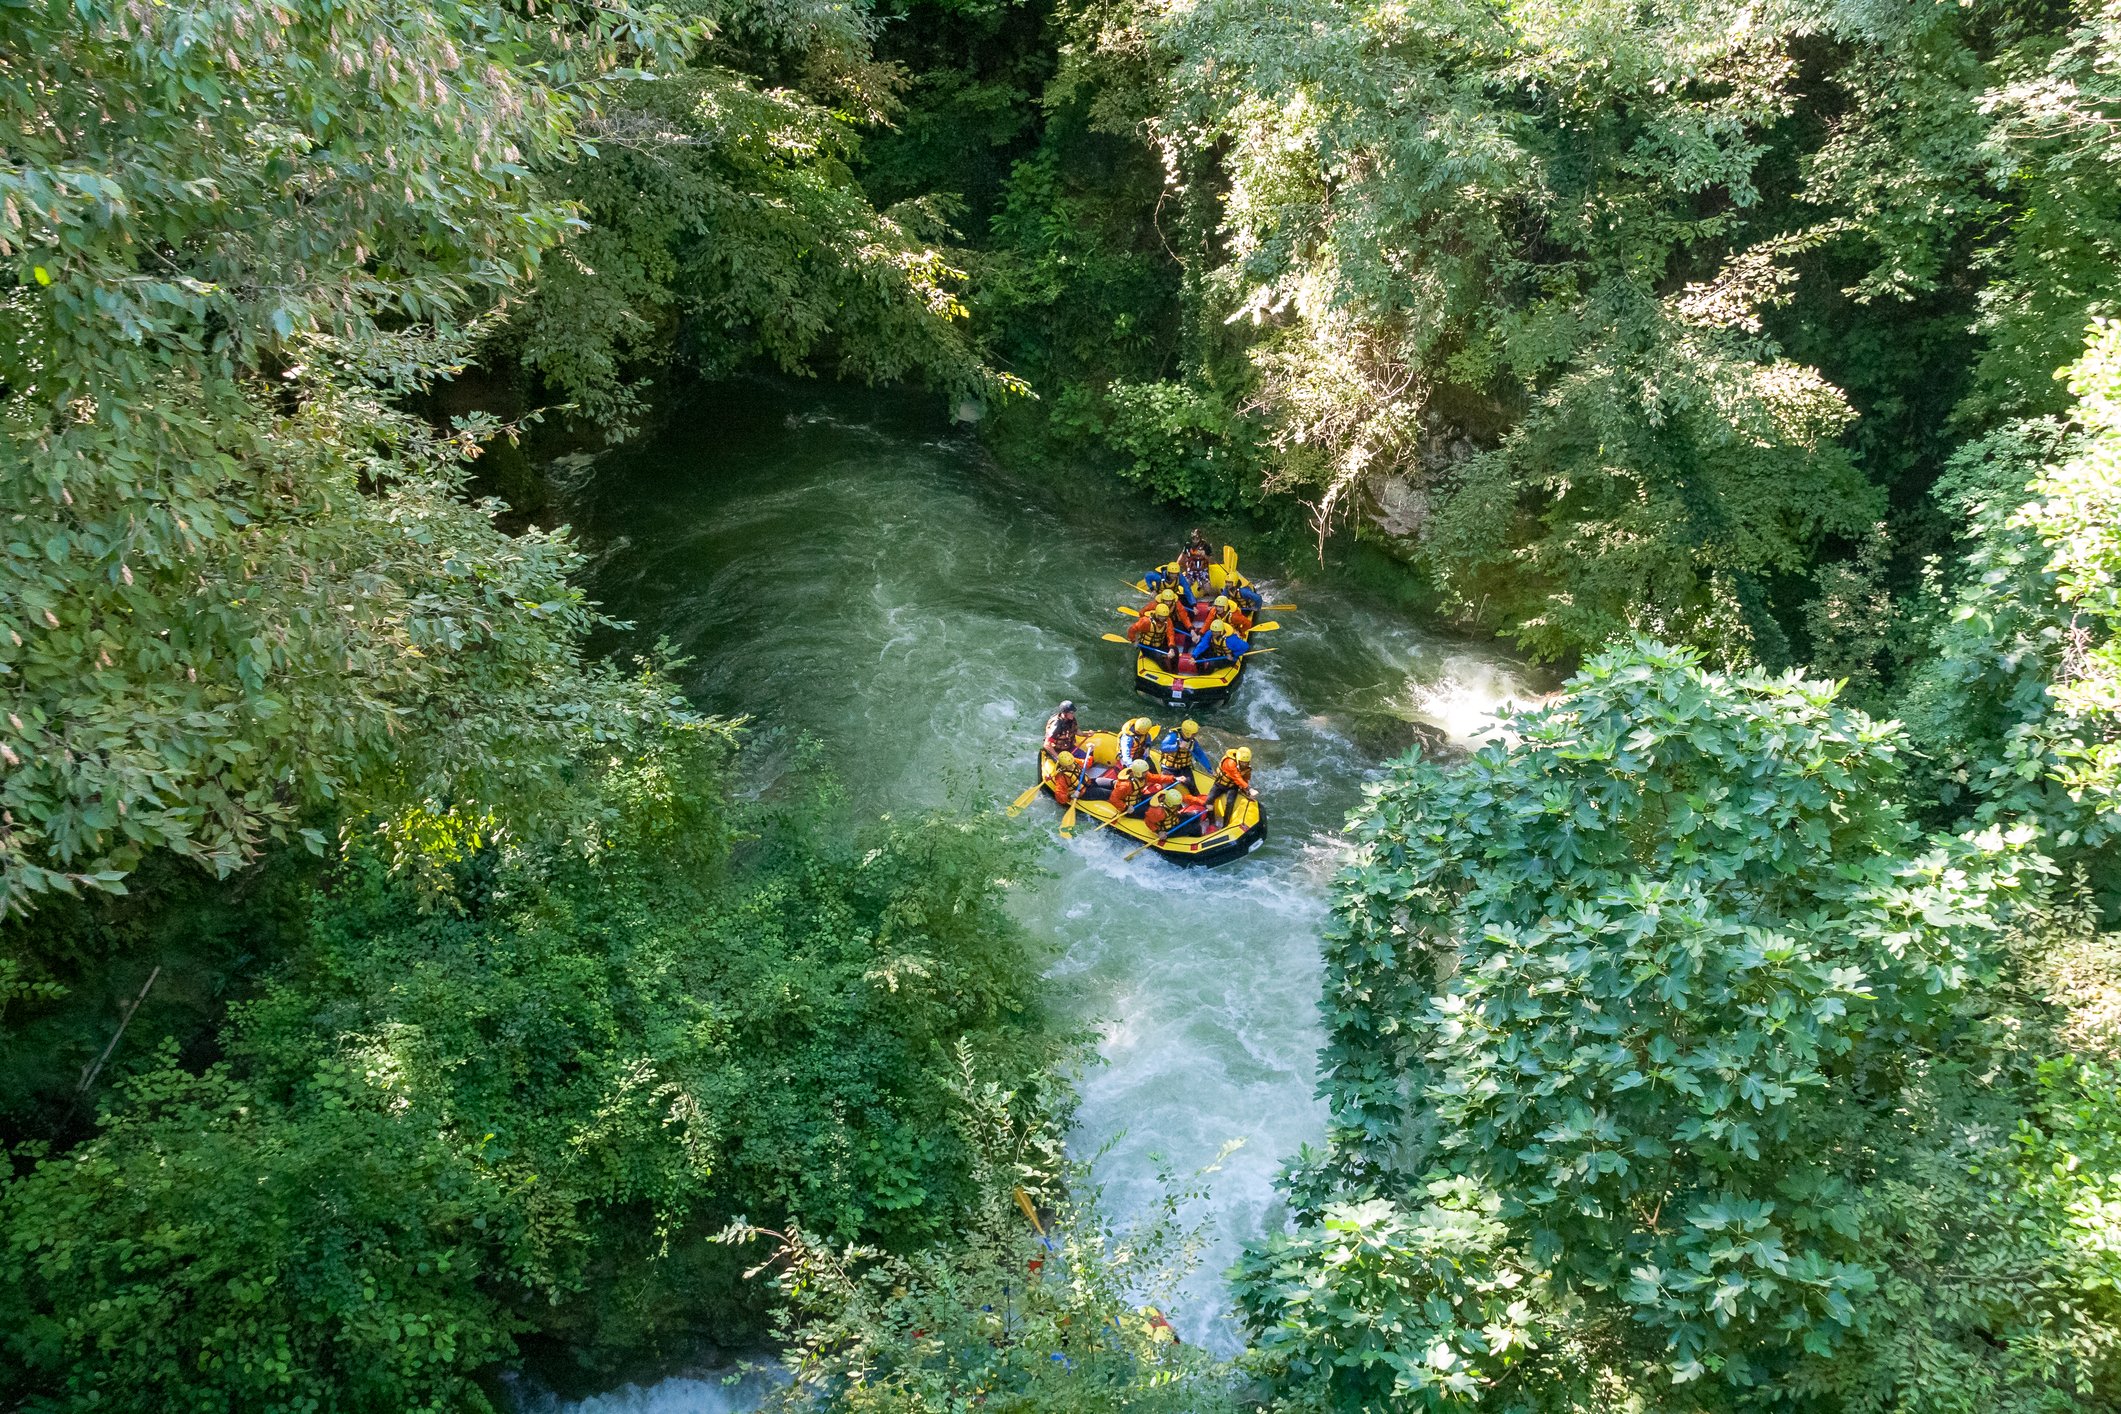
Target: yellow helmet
(1171, 798)
(1224, 603)
(1141, 726)
(1189, 729)
(1168, 596)
(1163, 611)
(1138, 767)
(1219, 626)
(1244, 755)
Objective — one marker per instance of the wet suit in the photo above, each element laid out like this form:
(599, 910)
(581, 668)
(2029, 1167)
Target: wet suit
(1060, 734)
(1229, 650)
(1232, 778)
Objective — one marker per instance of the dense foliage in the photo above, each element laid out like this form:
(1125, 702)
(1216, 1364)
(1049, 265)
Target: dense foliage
(1009, 1316)
(1666, 1052)
(527, 1111)
(1710, 1041)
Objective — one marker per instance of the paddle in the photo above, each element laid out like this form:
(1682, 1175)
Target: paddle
(1282, 608)
(1224, 658)
(1268, 627)
(1229, 559)
(1016, 807)
(1165, 835)
(1161, 655)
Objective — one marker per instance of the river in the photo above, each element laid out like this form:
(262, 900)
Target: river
(841, 565)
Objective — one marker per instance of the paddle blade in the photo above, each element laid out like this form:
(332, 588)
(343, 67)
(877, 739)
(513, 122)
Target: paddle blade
(1229, 559)
(1115, 638)
(1016, 807)
(1067, 826)
(1268, 627)
(1126, 612)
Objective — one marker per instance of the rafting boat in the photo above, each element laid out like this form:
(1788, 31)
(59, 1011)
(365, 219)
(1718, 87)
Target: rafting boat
(1176, 680)
(1244, 831)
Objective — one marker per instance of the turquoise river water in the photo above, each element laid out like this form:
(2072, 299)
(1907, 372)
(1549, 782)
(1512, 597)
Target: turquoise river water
(842, 566)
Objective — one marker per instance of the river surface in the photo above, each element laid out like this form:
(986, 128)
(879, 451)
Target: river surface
(842, 565)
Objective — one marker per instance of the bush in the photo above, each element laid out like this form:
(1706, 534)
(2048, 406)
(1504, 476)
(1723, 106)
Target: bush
(446, 1121)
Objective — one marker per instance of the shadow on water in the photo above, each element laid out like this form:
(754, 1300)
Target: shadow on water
(844, 565)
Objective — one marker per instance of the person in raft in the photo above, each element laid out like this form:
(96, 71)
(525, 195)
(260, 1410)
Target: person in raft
(1178, 749)
(1061, 731)
(1233, 778)
(1128, 789)
(1218, 645)
(1193, 560)
(1155, 633)
(1136, 739)
(1173, 811)
(1068, 777)
(1233, 613)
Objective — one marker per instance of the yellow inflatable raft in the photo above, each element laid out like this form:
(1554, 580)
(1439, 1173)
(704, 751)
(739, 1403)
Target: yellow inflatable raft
(1165, 681)
(1244, 829)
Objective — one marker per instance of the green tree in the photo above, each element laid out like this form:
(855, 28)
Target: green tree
(240, 593)
(725, 227)
(526, 1105)
(1650, 975)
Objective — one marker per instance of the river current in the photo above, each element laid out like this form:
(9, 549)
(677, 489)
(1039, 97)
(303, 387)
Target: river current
(844, 567)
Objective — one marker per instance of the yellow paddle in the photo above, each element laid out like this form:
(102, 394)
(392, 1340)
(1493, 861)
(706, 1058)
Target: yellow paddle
(1165, 835)
(1282, 608)
(1016, 807)
(1108, 821)
(1229, 559)
(1115, 638)
(1268, 627)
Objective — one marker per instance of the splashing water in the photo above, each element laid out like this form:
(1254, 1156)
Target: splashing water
(832, 569)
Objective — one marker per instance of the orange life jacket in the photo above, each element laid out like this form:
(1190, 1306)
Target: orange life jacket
(1232, 771)
(1151, 631)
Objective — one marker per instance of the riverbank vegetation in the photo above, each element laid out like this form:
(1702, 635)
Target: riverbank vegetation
(393, 989)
